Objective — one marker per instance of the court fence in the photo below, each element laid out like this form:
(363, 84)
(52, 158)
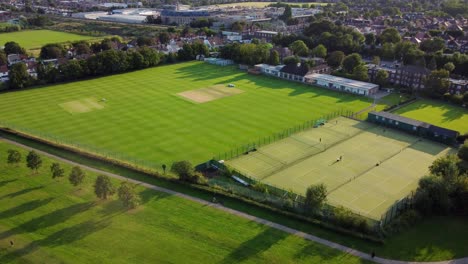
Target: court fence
(398, 208)
(238, 183)
(252, 146)
(279, 197)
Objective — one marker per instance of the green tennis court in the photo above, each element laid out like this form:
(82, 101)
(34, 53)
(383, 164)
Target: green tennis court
(377, 166)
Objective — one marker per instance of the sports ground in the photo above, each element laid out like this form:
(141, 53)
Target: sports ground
(50, 221)
(153, 114)
(437, 113)
(377, 167)
(35, 39)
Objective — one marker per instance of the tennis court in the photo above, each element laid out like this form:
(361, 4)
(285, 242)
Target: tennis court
(378, 166)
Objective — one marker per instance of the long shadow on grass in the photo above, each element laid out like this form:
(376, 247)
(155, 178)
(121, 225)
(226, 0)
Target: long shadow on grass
(65, 236)
(115, 207)
(25, 207)
(3, 183)
(47, 220)
(18, 193)
(203, 72)
(313, 250)
(256, 245)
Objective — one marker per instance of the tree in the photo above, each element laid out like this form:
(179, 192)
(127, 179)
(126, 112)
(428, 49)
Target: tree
(19, 76)
(71, 70)
(360, 73)
(33, 161)
(164, 37)
(381, 77)
(12, 47)
(128, 195)
(463, 151)
(52, 51)
(370, 39)
(437, 83)
(390, 35)
(103, 187)
(274, 58)
(319, 51)
(449, 66)
(376, 60)
(316, 195)
(164, 168)
(299, 48)
(56, 170)
(145, 41)
(82, 48)
(14, 157)
(287, 14)
(352, 61)
(432, 45)
(76, 176)
(183, 169)
(335, 59)
(445, 167)
(291, 60)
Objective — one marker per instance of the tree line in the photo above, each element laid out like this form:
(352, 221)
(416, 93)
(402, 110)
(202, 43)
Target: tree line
(105, 61)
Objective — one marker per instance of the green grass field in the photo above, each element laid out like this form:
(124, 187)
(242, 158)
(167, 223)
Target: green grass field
(422, 242)
(310, 157)
(52, 222)
(437, 113)
(35, 39)
(145, 118)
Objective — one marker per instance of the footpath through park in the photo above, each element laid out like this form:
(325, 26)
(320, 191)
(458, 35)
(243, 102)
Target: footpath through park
(286, 229)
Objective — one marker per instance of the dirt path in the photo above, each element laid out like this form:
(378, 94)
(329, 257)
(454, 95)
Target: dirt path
(286, 229)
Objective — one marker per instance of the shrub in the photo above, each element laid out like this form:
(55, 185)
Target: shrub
(404, 221)
(457, 99)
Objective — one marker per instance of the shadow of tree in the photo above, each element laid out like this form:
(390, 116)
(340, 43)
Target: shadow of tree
(65, 236)
(3, 183)
(326, 254)
(28, 206)
(148, 195)
(47, 220)
(24, 191)
(256, 245)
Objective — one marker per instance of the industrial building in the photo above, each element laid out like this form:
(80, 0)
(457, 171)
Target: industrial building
(182, 17)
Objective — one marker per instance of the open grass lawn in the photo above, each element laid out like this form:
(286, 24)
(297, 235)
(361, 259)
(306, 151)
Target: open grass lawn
(50, 221)
(35, 39)
(422, 242)
(437, 113)
(145, 118)
(355, 182)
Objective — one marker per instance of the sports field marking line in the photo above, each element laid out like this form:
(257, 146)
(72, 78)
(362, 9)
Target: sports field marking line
(373, 167)
(256, 219)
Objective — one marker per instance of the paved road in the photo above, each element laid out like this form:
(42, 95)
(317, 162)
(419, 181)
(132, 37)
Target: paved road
(244, 215)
